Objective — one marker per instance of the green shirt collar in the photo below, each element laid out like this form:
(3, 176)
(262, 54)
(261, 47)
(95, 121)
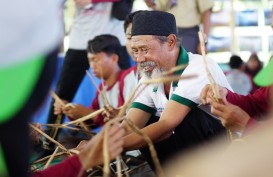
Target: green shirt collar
(182, 60)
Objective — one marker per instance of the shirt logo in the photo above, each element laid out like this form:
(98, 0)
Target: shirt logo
(160, 109)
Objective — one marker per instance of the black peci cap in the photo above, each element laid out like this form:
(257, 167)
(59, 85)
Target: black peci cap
(154, 23)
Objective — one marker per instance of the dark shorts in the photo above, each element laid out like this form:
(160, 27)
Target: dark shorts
(198, 128)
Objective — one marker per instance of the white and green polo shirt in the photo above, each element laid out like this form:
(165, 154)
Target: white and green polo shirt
(153, 99)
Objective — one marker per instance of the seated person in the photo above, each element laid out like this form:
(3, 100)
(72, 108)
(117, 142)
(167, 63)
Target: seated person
(180, 124)
(103, 56)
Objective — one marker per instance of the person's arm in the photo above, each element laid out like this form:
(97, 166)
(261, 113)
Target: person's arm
(255, 104)
(232, 116)
(138, 117)
(76, 111)
(171, 117)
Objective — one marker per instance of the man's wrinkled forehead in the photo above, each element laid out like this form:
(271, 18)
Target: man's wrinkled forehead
(142, 40)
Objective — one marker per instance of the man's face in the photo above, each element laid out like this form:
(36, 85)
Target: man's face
(101, 64)
(150, 54)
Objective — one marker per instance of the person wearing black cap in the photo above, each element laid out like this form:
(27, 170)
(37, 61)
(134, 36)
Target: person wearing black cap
(182, 124)
(103, 55)
(190, 16)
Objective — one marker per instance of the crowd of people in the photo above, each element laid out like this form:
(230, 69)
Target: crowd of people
(177, 115)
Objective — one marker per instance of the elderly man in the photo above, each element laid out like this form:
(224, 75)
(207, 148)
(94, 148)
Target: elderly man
(181, 123)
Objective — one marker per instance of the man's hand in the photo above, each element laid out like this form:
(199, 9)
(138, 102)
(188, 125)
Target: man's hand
(109, 113)
(82, 145)
(58, 107)
(232, 117)
(115, 145)
(34, 135)
(75, 111)
(207, 95)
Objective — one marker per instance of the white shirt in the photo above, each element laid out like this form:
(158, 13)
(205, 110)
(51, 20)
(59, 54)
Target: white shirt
(89, 23)
(187, 92)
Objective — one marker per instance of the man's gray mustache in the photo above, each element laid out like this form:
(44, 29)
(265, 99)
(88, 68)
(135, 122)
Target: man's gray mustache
(148, 63)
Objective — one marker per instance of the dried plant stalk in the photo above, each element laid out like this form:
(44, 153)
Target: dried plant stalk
(49, 138)
(103, 86)
(118, 159)
(167, 79)
(55, 96)
(106, 169)
(106, 157)
(72, 151)
(211, 80)
(158, 168)
(174, 69)
(105, 100)
(55, 131)
(135, 168)
(47, 157)
(89, 116)
(51, 158)
(68, 127)
(129, 101)
(91, 153)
